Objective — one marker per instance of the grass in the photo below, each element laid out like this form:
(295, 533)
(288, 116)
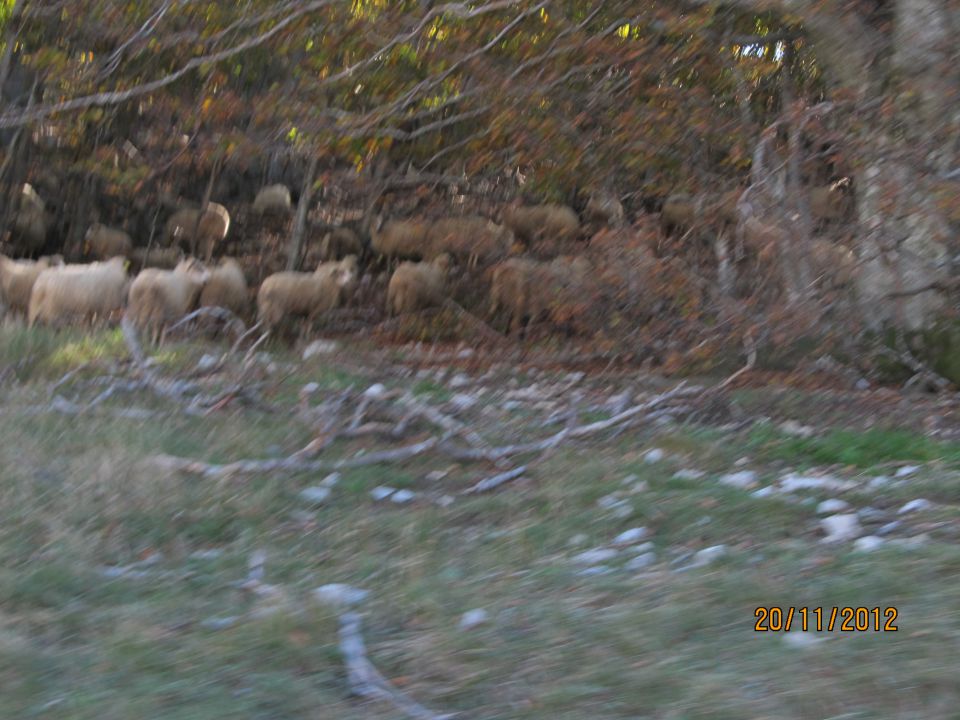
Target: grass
(76, 494)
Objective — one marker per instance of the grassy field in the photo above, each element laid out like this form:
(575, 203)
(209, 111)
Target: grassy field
(171, 635)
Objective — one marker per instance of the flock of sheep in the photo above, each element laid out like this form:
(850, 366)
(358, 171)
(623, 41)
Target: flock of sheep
(168, 286)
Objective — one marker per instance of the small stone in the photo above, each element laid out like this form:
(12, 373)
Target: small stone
(403, 496)
(862, 384)
(629, 479)
(622, 510)
(744, 479)
(376, 390)
(330, 480)
(206, 363)
(471, 618)
(436, 475)
(315, 495)
(889, 527)
(793, 481)
(762, 492)
(219, 623)
(801, 640)
(867, 543)
(878, 482)
(462, 402)
(741, 462)
(595, 570)
(578, 539)
(608, 502)
(445, 500)
(339, 594)
(641, 561)
(709, 555)
(871, 515)
(792, 427)
(832, 506)
(906, 470)
(639, 487)
(272, 368)
(631, 536)
(320, 347)
(309, 389)
(911, 543)
(641, 548)
(459, 380)
(917, 505)
(465, 353)
(688, 474)
(654, 456)
(597, 555)
(381, 492)
(511, 405)
(211, 554)
(839, 528)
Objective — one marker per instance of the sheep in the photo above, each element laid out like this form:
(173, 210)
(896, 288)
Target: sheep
(226, 287)
(473, 238)
(31, 221)
(415, 286)
(17, 278)
(539, 222)
(165, 258)
(158, 297)
(604, 209)
(211, 230)
(339, 243)
(78, 292)
(510, 290)
(834, 264)
(679, 212)
(831, 203)
(273, 199)
(102, 242)
(300, 294)
(400, 239)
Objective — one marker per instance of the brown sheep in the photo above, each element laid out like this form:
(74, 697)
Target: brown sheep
(471, 238)
(530, 224)
(834, 264)
(226, 288)
(679, 212)
(400, 239)
(17, 278)
(339, 243)
(415, 286)
(529, 289)
(211, 230)
(273, 199)
(102, 242)
(511, 290)
(78, 292)
(300, 294)
(31, 221)
(604, 209)
(831, 203)
(160, 297)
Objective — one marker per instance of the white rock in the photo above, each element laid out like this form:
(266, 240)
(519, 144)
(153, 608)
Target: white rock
(462, 402)
(330, 480)
(207, 362)
(878, 482)
(741, 462)
(402, 496)
(445, 500)
(889, 527)
(578, 539)
(762, 492)
(792, 427)
(339, 594)
(641, 561)
(832, 506)
(744, 479)
(801, 640)
(465, 353)
(654, 455)
(709, 554)
(629, 479)
(319, 347)
(917, 505)
(381, 492)
(862, 384)
(631, 536)
(688, 474)
(309, 389)
(510, 405)
(622, 510)
(459, 380)
(375, 391)
(639, 487)
(839, 528)
(867, 543)
(641, 548)
(436, 475)
(592, 557)
(471, 618)
(906, 470)
(595, 570)
(792, 481)
(608, 502)
(211, 554)
(315, 495)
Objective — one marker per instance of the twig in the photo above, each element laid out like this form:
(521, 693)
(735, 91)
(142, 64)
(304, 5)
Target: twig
(495, 481)
(365, 680)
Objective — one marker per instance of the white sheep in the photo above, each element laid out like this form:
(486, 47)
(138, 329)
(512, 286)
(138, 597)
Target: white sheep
(273, 199)
(226, 288)
(299, 294)
(78, 292)
(159, 297)
(211, 228)
(17, 278)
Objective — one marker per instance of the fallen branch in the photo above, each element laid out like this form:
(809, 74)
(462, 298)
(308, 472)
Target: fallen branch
(495, 481)
(365, 680)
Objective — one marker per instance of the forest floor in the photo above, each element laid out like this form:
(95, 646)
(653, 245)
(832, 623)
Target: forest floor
(615, 571)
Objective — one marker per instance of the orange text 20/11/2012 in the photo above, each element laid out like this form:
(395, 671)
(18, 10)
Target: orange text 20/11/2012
(844, 619)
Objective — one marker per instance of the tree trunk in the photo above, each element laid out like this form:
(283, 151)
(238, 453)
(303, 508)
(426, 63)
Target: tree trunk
(300, 222)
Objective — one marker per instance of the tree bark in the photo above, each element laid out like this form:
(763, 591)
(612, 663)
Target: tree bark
(300, 222)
